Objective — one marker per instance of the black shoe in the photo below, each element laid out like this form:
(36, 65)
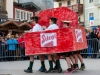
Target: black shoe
(50, 71)
(28, 71)
(59, 70)
(43, 70)
(55, 68)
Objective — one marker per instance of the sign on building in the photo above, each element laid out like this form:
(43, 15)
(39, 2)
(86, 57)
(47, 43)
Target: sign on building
(91, 21)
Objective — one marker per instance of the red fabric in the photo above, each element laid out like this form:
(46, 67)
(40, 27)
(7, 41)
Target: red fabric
(66, 41)
(21, 42)
(99, 34)
(61, 13)
(44, 22)
(99, 29)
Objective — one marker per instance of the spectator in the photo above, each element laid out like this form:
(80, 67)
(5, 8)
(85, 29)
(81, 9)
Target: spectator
(21, 44)
(12, 46)
(89, 50)
(94, 33)
(94, 41)
(0, 47)
(35, 57)
(3, 49)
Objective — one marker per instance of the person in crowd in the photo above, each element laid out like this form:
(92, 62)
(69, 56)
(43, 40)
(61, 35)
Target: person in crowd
(94, 41)
(94, 33)
(35, 57)
(0, 47)
(3, 48)
(12, 46)
(21, 45)
(89, 50)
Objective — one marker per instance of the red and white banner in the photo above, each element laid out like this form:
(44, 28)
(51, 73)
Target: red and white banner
(55, 41)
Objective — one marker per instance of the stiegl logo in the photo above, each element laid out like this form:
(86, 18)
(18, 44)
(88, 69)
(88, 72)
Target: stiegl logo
(48, 39)
(78, 33)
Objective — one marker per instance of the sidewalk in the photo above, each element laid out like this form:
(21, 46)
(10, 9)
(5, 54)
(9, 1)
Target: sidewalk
(17, 67)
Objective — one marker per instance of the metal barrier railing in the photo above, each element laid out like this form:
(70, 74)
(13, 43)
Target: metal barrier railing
(12, 52)
(93, 49)
(17, 51)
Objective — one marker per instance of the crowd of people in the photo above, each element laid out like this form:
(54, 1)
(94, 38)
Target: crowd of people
(11, 48)
(93, 40)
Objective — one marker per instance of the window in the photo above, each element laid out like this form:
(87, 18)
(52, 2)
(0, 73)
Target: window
(79, 19)
(68, 2)
(91, 15)
(21, 14)
(60, 4)
(90, 1)
(2, 4)
(78, 1)
(28, 16)
(24, 15)
(17, 13)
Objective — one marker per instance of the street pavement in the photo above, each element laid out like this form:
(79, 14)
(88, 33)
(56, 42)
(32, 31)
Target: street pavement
(17, 67)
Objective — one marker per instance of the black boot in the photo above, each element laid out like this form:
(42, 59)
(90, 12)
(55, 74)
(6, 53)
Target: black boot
(50, 71)
(28, 70)
(59, 70)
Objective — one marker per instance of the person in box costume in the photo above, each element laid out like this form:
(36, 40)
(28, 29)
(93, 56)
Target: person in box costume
(36, 28)
(53, 26)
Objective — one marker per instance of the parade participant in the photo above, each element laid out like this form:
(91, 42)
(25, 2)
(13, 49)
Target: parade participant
(53, 59)
(52, 27)
(36, 28)
(75, 54)
(81, 60)
(68, 55)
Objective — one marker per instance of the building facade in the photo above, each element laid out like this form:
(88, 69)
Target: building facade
(75, 5)
(92, 11)
(43, 4)
(21, 11)
(3, 11)
(15, 16)
(12, 9)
